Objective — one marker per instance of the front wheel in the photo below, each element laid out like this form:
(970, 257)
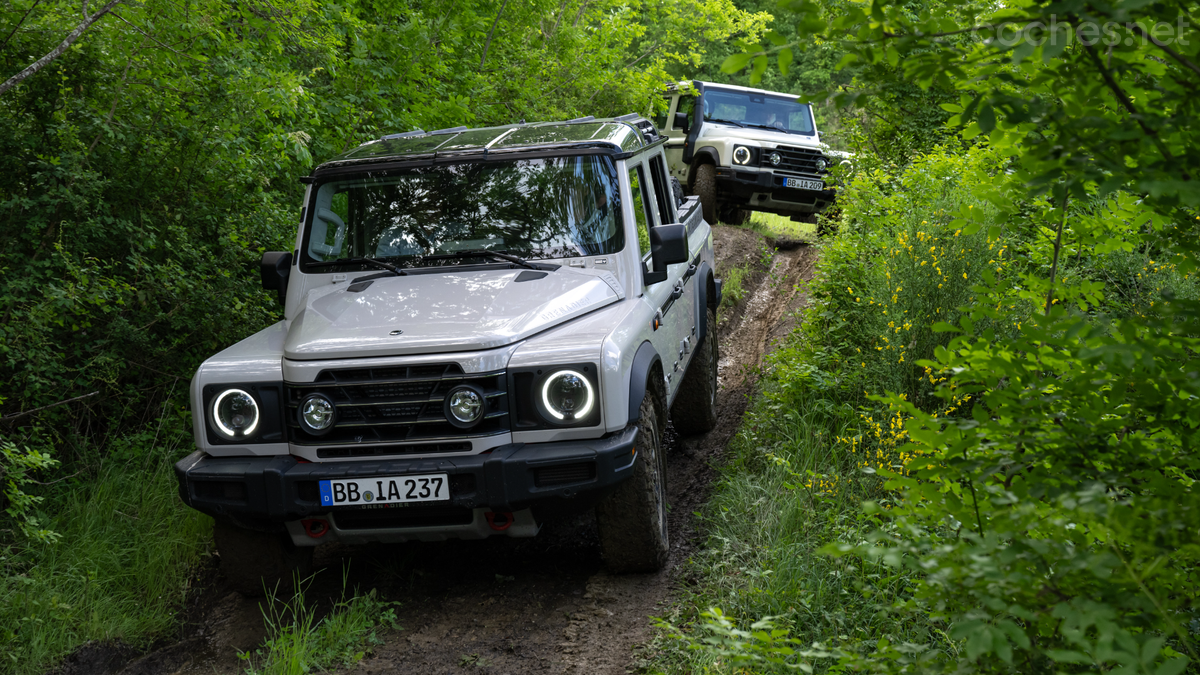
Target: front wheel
(254, 562)
(705, 187)
(633, 519)
(695, 408)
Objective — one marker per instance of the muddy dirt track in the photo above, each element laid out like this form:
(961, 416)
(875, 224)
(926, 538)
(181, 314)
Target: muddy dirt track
(511, 606)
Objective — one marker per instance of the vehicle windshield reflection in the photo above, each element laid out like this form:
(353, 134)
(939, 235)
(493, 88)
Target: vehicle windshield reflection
(749, 109)
(560, 207)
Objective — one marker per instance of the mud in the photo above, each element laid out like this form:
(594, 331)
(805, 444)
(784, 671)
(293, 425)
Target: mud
(541, 605)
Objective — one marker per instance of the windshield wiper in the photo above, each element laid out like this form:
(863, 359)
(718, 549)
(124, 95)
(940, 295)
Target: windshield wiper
(721, 121)
(496, 255)
(361, 261)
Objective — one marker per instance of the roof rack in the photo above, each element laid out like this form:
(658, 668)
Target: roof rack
(577, 120)
(407, 134)
(449, 130)
(627, 118)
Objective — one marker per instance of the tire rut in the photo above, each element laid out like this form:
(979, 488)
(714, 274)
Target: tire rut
(500, 606)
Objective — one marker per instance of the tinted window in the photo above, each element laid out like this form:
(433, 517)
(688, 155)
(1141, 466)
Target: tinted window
(559, 207)
(758, 110)
(641, 209)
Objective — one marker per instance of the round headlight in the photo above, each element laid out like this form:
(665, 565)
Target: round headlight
(821, 164)
(464, 406)
(235, 414)
(317, 414)
(775, 158)
(568, 396)
(741, 155)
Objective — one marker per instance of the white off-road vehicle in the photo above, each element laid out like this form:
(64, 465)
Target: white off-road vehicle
(741, 150)
(483, 328)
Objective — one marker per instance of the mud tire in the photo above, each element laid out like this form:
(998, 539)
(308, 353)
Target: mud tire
(632, 521)
(695, 407)
(256, 562)
(705, 187)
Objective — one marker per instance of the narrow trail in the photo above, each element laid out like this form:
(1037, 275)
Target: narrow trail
(501, 606)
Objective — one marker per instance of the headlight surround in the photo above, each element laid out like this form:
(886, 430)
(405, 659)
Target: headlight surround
(567, 396)
(465, 406)
(235, 414)
(317, 414)
(742, 155)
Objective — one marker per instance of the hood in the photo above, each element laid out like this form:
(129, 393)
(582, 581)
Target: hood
(441, 312)
(762, 137)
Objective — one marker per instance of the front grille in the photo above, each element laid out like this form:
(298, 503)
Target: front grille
(797, 160)
(420, 516)
(392, 450)
(397, 404)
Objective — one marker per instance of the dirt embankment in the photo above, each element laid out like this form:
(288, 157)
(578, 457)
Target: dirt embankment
(542, 605)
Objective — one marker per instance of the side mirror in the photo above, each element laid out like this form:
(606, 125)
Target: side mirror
(275, 268)
(682, 122)
(668, 246)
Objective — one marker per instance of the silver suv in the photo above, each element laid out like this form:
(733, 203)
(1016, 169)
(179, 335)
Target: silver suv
(741, 150)
(482, 327)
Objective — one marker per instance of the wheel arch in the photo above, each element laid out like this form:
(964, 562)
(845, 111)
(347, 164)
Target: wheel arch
(646, 362)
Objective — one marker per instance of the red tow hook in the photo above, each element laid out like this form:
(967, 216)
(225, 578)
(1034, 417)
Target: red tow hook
(315, 527)
(499, 521)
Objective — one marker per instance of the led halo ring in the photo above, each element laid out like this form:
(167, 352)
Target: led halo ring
(305, 424)
(587, 385)
(224, 430)
(480, 402)
(741, 155)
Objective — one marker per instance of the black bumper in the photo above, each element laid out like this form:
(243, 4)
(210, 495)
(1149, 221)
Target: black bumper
(265, 492)
(738, 186)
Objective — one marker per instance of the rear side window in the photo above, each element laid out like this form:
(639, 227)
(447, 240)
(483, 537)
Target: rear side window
(641, 208)
(663, 195)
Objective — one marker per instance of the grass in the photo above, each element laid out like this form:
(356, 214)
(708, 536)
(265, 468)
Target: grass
(781, 227)
(301, 643)
(734, 288)
(119, 571)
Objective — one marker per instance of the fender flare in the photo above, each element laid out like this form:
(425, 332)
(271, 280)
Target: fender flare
(704, 275)
(639, 373)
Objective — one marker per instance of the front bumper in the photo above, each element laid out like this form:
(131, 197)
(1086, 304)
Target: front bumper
(271, 493)
(762, 190)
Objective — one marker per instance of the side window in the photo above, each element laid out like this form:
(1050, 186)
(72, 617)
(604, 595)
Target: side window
(666, 204)
(641, 208)
(660, 116)
(687, 104)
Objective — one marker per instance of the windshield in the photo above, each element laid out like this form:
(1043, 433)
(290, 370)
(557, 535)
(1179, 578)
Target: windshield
(559, 207)
(781, 113)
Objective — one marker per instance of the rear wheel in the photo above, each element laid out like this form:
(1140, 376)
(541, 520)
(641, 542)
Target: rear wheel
(705, 187)
(695, 408)
(254, 562)
(633, 520)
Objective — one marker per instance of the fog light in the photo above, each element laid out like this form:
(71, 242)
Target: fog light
(464, 406)
(775, 158)
(317, 414)
(821, 164)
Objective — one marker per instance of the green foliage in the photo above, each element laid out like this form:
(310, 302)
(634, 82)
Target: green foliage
(120, 570)
(733, 289)
(300, 643)
(16, 465)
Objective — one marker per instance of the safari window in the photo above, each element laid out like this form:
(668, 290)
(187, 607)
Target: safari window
(641, 209)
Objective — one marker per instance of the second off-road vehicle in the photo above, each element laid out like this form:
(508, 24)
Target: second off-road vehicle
(482, 328)
(741, 150)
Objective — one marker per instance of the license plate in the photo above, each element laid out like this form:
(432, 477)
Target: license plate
(433, 487)
(804, 183)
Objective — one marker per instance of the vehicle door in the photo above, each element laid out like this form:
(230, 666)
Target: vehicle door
(663, 297)
(677, 137)
(682, 315)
